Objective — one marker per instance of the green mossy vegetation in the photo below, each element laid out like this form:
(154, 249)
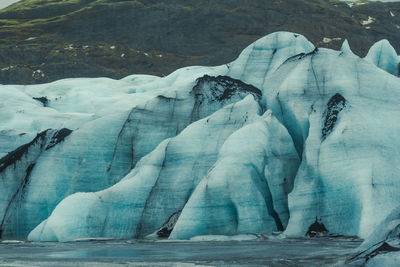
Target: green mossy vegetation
(73, 38)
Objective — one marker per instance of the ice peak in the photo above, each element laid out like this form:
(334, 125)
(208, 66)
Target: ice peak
(346, 47)
(266, 54)
(384, 56)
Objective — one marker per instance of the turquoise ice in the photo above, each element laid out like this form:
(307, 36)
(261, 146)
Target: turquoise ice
(285, 133)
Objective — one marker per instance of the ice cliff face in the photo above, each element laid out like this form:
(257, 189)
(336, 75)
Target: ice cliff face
(176, 165)
(285, 133)
(246, 190)
(383, 55)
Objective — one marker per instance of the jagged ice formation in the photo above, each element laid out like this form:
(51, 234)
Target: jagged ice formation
(282, 135)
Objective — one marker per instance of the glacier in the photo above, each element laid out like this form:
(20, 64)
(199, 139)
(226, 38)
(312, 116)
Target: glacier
(383, 55)
(285, 133)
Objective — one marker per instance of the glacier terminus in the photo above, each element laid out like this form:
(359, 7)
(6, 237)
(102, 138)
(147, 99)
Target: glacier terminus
(283, 135)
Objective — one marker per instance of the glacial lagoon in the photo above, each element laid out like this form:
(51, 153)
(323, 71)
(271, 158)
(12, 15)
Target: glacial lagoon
(271, 252)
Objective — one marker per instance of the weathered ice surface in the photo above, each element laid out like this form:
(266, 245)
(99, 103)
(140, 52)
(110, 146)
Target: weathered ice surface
(283, 135)
(384, 56)
(336, 107)
(346, 47)
(382, 246)
(15, 174)
(246, 190)
(55, 160)
(156, 188)
(266, 55)
(107, 144)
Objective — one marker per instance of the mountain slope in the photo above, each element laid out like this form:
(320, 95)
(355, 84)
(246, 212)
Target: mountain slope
(46, 40)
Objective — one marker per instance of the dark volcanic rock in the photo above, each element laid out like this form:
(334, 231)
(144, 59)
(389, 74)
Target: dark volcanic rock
(13, 156)
(42, 99)
(317, 229)
(223, 87)
(334, 106)
(169, 225)
(42, 41)
(58, 137)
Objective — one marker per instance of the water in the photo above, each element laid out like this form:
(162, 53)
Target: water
(279, 252)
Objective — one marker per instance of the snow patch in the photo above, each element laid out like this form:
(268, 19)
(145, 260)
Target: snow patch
(8, 68)
(69, 47)
(368, 21)
(327, 40)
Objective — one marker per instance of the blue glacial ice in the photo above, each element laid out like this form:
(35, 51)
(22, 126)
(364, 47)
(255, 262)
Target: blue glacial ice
(346, 47)
(384, 56)
(285, 133)
(246, 190)
(142, 201)
(382, 246)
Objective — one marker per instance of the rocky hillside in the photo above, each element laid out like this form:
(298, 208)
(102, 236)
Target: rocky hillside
(46, 40)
